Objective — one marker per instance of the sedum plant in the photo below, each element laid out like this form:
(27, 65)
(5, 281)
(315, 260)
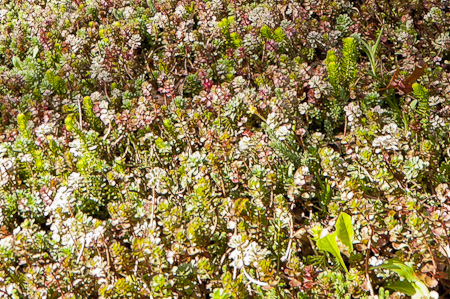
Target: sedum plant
(204, 149)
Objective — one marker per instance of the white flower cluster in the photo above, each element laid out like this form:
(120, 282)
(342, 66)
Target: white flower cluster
(155, 179)
(93, 236)
(272, 121)
(315, 39)
(283, 132)
(60, 230)
(434, 15)
(75, 232)
(134, 42)
(62, 200)
(27, 158)
(402, 36)
(300, 176)
(303, 108)
(215, 5)
(390, 129)
(75, 43)
(353, 112)
(282, 215)
(251, 42)
(276, 125)
(239, 83)
(148, 230)
(386, 142)
(128, 12)
(185, 32)
(208, 24)
(261, 16)
(76, 148)
(319, 86)
(45, 129)
(106, 115)
(245, 253)
(98, 71)
(159, 21)
(437, 122)
(442, 41)
(180, 11)
(98, 268)
(74, 180)
(3, 13)
(245, 144)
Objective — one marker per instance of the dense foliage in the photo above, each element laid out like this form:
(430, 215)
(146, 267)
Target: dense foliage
(224, 149)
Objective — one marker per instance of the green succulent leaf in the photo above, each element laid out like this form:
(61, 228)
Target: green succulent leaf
(16, 62)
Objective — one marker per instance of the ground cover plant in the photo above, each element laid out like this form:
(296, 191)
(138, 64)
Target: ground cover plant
(224, 149)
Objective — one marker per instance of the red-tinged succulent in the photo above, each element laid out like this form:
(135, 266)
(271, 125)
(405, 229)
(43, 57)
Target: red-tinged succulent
(197, 149)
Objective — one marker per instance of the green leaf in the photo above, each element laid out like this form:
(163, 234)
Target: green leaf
(35, 51)
(152, 7)
(265, 31)
(220, 294)
(279, 35)
(375, 47)
(400, 268)
(16, 62)
(344, 230)
(402, 286)
(421, 288)
(329, 244)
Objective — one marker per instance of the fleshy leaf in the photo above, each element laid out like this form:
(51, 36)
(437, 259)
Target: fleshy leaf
(16, 62)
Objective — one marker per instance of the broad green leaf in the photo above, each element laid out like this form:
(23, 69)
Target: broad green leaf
(400, 268)
(329, 244)
(344, 230)
(402, 286)
(16, 62)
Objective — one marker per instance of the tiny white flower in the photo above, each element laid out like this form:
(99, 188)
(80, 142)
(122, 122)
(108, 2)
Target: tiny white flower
(253, 254)
(390, 129)
(231, 224)
(75, 148)
(282, 132)
(303, 108)
(27, 158)
(245, 143)
(180, 11)
(128, 12)
(374, 261)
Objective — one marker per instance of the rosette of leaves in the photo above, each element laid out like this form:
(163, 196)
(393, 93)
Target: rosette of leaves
(192, 86)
